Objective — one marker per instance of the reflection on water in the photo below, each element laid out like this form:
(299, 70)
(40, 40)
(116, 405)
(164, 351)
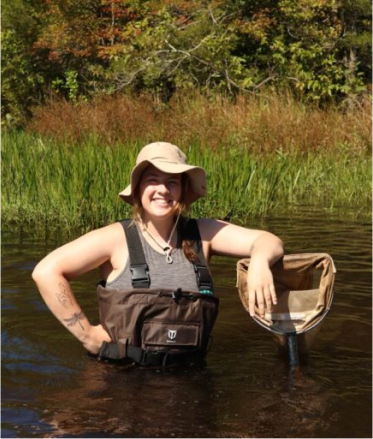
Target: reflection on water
(50, 388)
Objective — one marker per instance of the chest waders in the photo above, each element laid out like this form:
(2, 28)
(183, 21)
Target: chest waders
(158, 326)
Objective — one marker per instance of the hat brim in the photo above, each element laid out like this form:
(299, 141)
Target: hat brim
(196, 174)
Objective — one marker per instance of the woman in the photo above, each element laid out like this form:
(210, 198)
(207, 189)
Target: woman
(162, 187)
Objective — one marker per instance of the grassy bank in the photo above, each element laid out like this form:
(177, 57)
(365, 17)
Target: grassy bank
(55, 183)
(260, 125)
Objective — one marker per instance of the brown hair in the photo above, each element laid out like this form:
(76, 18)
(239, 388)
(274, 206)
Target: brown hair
(181, 209)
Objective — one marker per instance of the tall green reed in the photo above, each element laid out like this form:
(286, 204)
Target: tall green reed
(46, 183)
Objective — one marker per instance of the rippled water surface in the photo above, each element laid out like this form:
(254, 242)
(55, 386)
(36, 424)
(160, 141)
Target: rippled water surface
(51, 388)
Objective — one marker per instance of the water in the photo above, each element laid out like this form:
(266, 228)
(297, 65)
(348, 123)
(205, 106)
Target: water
(51, 388)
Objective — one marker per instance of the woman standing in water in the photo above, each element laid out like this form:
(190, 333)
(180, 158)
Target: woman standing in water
(162, 255)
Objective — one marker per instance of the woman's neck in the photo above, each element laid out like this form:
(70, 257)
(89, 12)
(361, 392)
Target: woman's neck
(161, 229)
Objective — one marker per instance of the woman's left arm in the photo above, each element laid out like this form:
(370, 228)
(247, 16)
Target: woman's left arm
(264, 249)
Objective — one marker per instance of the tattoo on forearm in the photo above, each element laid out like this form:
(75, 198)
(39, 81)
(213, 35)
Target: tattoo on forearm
(63, 296)
(77, 316)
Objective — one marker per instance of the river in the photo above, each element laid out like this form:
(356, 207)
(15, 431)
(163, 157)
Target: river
(51, 388)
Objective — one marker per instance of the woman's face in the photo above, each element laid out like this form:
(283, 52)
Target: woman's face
(159, 192)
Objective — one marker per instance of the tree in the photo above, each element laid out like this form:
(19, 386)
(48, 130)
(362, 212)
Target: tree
(296, 43)
(356, 45)
(22, 69)
(320, 49)
(182, 47)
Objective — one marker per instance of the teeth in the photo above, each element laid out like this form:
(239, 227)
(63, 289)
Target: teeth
(161, 201)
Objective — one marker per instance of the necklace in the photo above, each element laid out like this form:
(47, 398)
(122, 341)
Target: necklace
(166, 249)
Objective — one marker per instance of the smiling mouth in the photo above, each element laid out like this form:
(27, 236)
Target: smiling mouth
(162, 201)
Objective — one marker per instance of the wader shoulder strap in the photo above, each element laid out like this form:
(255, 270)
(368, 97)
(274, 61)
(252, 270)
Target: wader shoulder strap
(139, 268)
(204, 279)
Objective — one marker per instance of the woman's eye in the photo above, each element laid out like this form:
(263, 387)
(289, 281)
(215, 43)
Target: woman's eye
(151, 180)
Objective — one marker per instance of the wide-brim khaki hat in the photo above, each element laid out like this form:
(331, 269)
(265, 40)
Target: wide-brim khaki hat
(167, 158)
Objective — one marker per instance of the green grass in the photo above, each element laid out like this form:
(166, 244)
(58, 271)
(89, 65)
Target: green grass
(53, 184)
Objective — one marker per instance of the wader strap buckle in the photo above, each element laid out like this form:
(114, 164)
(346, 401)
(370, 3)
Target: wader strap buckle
(140, 276)
(204, 280)
(162, 358)
(177, 294)
(138, 266)
(113, 351)
(143, 357)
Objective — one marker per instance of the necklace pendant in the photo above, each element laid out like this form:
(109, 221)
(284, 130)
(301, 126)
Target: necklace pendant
(167, 250)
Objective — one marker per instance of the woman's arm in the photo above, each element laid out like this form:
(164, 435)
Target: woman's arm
(53, 273)
(264, 249)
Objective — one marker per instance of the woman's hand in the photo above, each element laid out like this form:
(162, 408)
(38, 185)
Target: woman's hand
(260, 287)
(95, 337)
(263, 248)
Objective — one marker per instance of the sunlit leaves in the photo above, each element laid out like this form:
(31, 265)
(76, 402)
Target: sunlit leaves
(319, 49)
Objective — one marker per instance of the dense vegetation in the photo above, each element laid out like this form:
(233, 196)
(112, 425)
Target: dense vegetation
(320, 50)
(272, 97)
(261, 158)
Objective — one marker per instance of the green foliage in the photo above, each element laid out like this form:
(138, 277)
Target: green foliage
(17, 84)
(51, 184)
(68, 86)
(179, 52)
(298, 42)
(356, 45)
(21, 71)
(320, 49)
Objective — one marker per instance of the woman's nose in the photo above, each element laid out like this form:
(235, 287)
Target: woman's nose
(162, 188)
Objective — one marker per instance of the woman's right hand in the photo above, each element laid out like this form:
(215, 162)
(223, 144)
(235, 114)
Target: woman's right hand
(96, 336)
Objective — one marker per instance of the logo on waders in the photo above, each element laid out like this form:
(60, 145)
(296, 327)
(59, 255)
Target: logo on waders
(171, 333)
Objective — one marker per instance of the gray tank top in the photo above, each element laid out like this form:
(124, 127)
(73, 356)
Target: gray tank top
(179, 274)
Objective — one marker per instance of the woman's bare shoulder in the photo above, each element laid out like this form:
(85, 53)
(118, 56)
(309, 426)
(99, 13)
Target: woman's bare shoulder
(227, 239)
(108, 236)
(209, 227)
(86, 252)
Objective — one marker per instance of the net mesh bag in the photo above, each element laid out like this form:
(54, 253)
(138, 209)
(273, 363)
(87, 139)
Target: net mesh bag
(304, 287)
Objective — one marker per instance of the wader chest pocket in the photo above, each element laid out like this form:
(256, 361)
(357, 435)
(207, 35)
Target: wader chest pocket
(169, 334)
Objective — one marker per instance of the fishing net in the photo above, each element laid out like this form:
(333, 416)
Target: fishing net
(304, 288)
